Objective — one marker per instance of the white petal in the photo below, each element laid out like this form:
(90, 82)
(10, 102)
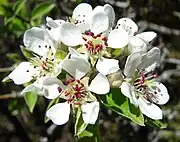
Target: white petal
(90, 112)
(126, 89)
(82, 14)
(98, 9)
(59, 113)
(137, 45)
(108, 9)
(147, 36)
(99, 23)
(33, 87)
(81, 10)
(118, 39)
(51, 91)
(132, 63)
(70, 34)
(127, 25)
(153, 56)
(23, 73)
(160, 93)
(38, 40)
(150, 109)
(52, 87)
(100, 84)
(75, 54)
(53, 23)
(107, 66)
(72, 65)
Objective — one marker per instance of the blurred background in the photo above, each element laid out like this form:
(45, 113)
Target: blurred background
(17, 124)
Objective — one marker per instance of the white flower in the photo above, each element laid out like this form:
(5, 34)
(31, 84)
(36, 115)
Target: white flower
(40, 69)
(137, 42)
(96, 38)
(39, 41)
(77, 93)
(139, 85)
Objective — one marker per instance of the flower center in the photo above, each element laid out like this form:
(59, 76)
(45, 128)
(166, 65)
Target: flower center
(143, 85)
(75, 91)
(44, 66)
(94, 43)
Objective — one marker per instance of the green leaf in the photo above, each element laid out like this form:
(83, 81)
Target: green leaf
(79, 1)
(42, 9)
(3, 2)
(80, 126)
(28, 54)
(91, 134)
(31, 99)
(120, 104)
(155, 123)
(18, 6)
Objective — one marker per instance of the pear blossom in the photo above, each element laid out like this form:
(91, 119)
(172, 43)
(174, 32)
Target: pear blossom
(77, 93)
(139, 85)
(137, 42)
(38, 69)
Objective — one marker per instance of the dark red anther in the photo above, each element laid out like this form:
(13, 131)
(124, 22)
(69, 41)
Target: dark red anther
(69, 100)
(104, 38)
(78, 95)
(59, 89)
(135, 33)
(105, 43)
(91, 33)
(98, 35)
(87, 32)
(78, 81)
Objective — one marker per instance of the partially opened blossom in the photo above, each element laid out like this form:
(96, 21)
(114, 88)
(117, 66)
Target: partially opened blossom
(78, 93)
(138, 41)
(139, 85)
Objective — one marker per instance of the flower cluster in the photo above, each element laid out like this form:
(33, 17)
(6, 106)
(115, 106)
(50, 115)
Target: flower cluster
(88, 41)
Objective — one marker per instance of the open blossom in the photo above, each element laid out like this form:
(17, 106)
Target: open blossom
(138, 41)
(139, 85)
(96, 37)
(77, 93)
(40, 67)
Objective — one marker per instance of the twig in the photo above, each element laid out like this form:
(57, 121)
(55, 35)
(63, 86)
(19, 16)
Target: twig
(13, 95)
(7, 69)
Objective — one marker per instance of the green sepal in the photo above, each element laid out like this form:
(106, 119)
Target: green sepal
(31, 99)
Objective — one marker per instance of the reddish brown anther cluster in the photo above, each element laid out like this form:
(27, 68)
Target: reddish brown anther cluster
(94, 43)
(75, 91)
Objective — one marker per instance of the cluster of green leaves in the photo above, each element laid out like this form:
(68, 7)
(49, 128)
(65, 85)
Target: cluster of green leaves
(19, 17)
